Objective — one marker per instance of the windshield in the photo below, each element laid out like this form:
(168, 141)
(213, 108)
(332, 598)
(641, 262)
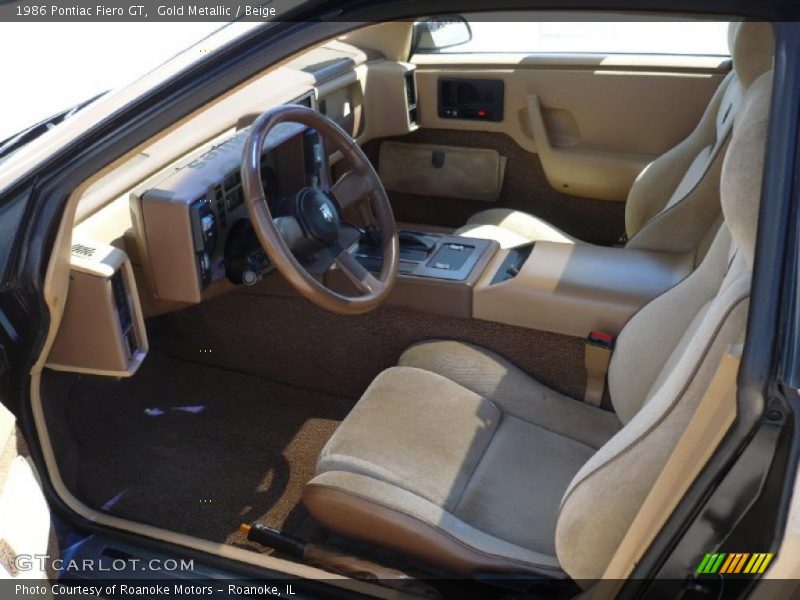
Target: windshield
(66, 64)
(604, 36)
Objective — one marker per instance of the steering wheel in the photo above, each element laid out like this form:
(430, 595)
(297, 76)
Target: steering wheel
(311, 228)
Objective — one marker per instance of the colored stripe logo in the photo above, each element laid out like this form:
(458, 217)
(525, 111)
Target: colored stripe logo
(734, 563)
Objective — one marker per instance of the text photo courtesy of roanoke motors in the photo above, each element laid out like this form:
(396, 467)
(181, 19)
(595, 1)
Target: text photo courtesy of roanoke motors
(428, 299)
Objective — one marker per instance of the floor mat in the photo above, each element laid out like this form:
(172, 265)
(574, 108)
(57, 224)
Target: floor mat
(198, 449)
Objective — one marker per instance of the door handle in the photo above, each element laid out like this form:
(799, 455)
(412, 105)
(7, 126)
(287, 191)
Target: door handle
(538, 126)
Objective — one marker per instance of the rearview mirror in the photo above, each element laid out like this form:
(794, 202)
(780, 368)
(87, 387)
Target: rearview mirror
(436, 33)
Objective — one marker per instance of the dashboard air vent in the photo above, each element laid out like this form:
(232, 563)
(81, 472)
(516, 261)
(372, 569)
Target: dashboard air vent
(121, 300)
(411, 97)
(306, 100)
(124, 314)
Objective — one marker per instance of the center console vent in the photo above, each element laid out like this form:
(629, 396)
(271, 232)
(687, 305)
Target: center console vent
(411, 99)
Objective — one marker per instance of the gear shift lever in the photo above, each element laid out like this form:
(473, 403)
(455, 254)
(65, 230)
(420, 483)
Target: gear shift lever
(410, 240)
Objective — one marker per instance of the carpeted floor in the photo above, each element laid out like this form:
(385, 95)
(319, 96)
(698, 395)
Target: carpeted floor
(199, 449)
(291, 340)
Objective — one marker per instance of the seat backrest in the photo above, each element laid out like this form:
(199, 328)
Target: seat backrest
(675, 199)
(665, 358)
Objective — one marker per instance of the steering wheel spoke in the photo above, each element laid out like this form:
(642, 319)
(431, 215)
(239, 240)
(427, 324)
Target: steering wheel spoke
(356, 273)
(325, 258)
(351, 188)
(290, 230)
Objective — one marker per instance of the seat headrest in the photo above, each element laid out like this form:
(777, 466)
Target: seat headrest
(742, 170)
(752, 46)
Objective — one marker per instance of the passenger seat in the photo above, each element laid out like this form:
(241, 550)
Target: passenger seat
(674, 202)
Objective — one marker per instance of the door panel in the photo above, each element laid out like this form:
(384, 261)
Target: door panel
(595, 120)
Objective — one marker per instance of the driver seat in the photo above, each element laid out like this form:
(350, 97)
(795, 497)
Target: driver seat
(458, 459)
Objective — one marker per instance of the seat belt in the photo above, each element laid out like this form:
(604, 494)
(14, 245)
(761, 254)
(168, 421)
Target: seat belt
(597, 355)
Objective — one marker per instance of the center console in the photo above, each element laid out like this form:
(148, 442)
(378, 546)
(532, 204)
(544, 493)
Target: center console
(571, 289)
(436, 272)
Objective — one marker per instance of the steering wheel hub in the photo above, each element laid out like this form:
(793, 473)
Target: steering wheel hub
(319, 215)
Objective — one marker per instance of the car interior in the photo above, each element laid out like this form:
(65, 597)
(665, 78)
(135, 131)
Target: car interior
(439, 314)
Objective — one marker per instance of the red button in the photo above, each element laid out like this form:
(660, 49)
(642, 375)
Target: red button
(601, 336)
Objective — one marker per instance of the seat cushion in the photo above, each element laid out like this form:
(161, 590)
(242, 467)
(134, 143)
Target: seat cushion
(515, 491)
(511, 228)
(515, 392)
(397, 433)
(424, 457)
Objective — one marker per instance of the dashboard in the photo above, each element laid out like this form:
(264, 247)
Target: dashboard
(166, 226)
(191, 224)
(175, 207)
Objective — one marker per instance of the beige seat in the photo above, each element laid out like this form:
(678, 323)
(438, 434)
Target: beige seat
(675, 199)
(459, 459)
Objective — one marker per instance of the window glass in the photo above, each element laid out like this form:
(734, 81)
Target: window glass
(79, 61)
(603, 37)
